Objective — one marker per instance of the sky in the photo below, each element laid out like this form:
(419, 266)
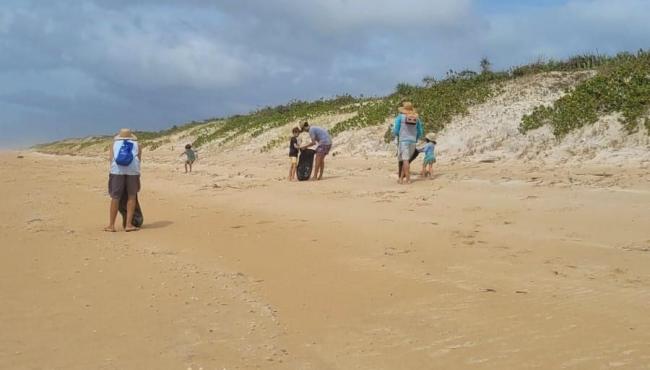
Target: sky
(72, 68)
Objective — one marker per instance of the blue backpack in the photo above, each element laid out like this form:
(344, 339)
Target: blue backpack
(125, 156)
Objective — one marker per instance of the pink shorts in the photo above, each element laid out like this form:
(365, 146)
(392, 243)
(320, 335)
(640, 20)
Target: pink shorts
(323, 149)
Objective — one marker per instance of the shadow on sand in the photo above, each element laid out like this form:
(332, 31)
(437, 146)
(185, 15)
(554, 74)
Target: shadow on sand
(157, 225)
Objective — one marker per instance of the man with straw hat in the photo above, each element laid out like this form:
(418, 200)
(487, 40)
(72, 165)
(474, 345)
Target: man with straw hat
(408, 130)
(124, 157)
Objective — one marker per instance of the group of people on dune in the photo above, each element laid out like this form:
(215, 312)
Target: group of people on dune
(125, 157)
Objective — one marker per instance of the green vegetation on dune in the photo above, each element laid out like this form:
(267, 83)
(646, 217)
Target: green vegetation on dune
(436, 101)
(268, 118)
(154, 139)
(72, 146)
(622, 85)
(369, 113)
(440, 101)
(576, 63)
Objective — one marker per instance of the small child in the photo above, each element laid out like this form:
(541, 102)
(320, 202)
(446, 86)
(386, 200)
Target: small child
(191, 157)
(429, 155)
(293, 152)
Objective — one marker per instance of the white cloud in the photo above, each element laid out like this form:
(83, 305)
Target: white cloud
(336, 14)
(196, 61)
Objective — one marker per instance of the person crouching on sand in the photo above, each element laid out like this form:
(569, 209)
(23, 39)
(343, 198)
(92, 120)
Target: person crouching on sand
(125, 156)
(190, 155)
(408, 130)
(319, 136)
(429, 151)
(293, 152)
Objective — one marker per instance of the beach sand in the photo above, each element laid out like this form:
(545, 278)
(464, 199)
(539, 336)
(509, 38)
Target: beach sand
(486, 266)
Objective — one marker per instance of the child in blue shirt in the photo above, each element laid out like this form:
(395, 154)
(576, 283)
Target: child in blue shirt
(429, 151)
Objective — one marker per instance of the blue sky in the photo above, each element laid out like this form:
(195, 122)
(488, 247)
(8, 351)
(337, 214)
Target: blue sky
(509, 6)
(82, 67)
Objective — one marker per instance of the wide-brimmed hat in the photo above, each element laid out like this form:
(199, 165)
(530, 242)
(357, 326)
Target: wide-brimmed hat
(431, 136)
(407, 108)
(125, 133)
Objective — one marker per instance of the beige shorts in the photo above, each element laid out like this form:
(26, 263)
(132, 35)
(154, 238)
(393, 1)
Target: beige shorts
(294, 160)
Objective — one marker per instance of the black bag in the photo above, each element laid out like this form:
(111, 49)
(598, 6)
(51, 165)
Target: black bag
(138, 218)
(305, 164)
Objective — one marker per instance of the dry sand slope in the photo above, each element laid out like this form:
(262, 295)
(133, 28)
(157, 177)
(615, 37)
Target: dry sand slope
(485, 267)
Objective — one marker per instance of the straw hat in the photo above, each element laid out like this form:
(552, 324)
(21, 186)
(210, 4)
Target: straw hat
(431, 136)
(125, 133)
(407, 108)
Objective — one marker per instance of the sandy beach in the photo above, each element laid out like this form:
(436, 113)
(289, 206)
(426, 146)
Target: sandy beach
(484, 267)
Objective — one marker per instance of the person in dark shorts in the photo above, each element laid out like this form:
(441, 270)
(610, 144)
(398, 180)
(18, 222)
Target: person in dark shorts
(293, 153)
(124, 177)
(321, 137)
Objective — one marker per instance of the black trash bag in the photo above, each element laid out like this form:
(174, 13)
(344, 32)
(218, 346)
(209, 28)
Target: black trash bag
(305, 164)
(138, 217)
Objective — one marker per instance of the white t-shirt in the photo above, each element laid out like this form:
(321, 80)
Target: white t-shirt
(131, 169)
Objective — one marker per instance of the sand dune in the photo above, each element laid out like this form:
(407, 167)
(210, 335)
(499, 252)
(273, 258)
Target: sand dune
(488, 132)
(485, 267)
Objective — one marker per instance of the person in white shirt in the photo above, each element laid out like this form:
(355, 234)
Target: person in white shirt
(124, 157)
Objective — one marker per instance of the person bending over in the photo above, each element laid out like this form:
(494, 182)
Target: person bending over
(321, 138)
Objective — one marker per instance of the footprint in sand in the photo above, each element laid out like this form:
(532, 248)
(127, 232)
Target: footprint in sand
(637, 247)
(392, 251)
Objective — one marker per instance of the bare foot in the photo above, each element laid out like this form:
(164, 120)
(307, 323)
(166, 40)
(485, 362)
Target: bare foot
(109, 229)
(131, 228)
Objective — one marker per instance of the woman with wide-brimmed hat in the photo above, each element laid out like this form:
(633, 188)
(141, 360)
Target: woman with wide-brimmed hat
(408, 130)
(124, 156)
